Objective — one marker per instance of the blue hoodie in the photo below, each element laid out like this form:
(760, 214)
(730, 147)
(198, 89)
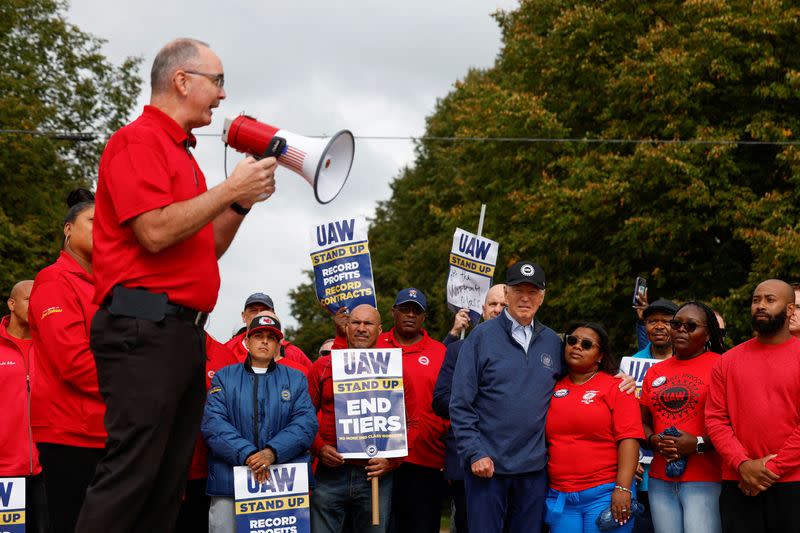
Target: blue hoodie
(500, 396)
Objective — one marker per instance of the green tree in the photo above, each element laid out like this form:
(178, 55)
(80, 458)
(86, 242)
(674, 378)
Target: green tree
(53, 78)
(699, 220)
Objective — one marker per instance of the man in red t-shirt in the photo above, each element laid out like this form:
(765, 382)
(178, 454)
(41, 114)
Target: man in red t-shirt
(158, 232)
(291, 355)
(753, 419)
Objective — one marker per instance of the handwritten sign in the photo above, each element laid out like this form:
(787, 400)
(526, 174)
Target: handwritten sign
(472, 262)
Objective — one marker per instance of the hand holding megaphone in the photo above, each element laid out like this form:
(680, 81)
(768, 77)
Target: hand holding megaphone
(253, 180)
(324, 163)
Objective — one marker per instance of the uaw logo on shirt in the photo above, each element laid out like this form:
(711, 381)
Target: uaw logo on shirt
(560, 393)
(211, 374)
(423, 360)
(547, 361)
(588, 397)
(286, 395)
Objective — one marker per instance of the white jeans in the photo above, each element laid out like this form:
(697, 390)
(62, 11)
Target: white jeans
(221, 515)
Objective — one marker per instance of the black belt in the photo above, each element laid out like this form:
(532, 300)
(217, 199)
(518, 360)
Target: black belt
(141, 303)
(198, 318)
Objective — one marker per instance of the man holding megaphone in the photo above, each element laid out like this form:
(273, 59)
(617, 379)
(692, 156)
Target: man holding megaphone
(158, 232)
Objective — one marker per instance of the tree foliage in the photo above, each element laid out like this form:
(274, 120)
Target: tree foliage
(53, 78)
(699, 220)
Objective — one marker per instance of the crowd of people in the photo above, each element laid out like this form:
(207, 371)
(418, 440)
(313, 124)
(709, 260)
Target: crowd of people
(124, 414)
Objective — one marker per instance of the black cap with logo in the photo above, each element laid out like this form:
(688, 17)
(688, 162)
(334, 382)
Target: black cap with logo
(525, 272)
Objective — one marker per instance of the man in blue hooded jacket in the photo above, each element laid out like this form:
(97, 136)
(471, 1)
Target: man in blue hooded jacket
(257, 413)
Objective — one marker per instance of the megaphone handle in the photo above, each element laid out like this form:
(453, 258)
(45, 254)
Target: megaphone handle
(274, 149)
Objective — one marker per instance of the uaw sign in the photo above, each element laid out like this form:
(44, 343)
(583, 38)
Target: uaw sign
(369, 403)
(279, 505)
(472, 262)
(636, 367)
(12, 505)
(342, 264)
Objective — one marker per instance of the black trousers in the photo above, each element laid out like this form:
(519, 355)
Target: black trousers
(151, 376)
(776, 510)
(68, 471)
(417, 499)
(36, 518)
(193, 515)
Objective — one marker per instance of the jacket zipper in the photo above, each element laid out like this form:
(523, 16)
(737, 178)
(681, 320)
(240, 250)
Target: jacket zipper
(26, 360)
(256, 383)
(30, 429)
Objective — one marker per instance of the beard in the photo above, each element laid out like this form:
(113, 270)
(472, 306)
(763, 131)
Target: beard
(773, 325)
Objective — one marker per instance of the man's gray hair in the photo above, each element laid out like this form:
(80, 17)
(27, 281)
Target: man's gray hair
(175, 54)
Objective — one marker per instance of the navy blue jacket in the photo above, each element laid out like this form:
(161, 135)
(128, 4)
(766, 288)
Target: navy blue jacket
(501, 394)
(286, 420)
(453, 466)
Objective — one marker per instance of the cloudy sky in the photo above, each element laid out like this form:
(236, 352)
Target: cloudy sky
(371, 66)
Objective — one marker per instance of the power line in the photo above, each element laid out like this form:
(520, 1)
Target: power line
(89, 136)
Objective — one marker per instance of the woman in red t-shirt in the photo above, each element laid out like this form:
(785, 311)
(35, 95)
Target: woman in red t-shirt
(592, 430)
(674, 396)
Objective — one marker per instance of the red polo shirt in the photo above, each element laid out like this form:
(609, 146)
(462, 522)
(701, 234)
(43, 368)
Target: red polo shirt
(147, 165)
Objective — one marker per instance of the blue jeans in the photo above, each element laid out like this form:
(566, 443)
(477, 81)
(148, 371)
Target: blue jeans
(344, 496)
(575, 512)
(685, 507)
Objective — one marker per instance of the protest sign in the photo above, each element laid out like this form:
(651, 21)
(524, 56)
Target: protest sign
(369, 403)
(342, 264)
(472, 262)
(636, 367)
(279, 505)
(12, 504)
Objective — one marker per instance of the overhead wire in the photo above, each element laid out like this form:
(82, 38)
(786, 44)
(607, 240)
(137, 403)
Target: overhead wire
(90, 136)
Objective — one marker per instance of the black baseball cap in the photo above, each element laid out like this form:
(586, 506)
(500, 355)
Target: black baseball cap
(265, 322)
(259, 298)
(525, 272)
(662, 305)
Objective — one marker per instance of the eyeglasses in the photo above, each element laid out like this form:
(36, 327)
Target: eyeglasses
(572, 340)
(690, 327)
(216, 79)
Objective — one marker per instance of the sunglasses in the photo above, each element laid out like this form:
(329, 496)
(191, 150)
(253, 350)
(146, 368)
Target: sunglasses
(690, 327)
(572, 340)
(324, 352)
